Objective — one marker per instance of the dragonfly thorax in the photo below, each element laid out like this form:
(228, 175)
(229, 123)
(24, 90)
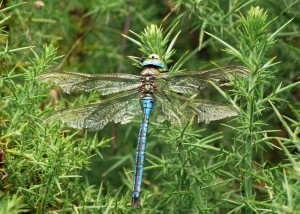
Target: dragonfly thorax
(148, 77)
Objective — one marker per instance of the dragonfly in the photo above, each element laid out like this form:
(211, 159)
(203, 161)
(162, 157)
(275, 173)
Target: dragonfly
(166, 96)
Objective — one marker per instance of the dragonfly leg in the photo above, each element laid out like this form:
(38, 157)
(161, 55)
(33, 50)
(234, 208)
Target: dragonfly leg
(141, 98)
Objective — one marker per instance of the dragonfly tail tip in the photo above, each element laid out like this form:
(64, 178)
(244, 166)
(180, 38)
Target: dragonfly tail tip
(135, 202)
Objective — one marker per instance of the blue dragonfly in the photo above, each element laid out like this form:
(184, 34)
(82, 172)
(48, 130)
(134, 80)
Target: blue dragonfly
(168, 94)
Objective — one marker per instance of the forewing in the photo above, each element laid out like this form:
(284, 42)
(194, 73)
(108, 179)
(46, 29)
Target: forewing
(103, 83)
(94, 116)
(179, 110)
(192, 82)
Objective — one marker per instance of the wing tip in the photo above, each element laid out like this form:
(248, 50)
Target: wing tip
(228, 112)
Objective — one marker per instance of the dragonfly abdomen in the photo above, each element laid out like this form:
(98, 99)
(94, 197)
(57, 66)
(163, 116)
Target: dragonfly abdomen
(147, 104)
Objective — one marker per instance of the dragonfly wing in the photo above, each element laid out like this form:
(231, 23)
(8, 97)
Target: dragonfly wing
(103, 83)
(179, 110)
(171, 109)
(94, 116)
(192, 82)
(207, 111)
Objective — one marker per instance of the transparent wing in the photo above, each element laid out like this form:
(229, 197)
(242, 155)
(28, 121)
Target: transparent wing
(103, 83)
(207, 111)
(170, 109)
(94, 116)
(179, 110)
(193, 82)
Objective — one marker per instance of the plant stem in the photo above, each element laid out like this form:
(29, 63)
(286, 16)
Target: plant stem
(248, 185)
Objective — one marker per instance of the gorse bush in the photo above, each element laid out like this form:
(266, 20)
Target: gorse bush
(246, 164)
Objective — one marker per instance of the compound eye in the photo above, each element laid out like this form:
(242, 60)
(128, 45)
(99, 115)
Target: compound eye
(153, 56)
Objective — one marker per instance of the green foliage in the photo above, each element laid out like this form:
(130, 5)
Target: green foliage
(251, 101)
(13, 205)
(249, 164)
(152, 41)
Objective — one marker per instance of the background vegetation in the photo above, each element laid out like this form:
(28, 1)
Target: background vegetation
(249, 164)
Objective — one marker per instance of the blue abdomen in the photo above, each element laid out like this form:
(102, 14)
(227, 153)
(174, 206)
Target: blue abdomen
(147, 105)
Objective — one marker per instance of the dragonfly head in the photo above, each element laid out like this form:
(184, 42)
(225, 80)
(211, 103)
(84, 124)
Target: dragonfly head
(153, 60)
